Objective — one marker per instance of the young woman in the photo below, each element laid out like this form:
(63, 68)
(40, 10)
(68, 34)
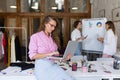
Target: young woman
(110, 40)
(42, 45)
(76, 36)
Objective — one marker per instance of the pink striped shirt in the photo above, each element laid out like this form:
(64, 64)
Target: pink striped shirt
(41, 43)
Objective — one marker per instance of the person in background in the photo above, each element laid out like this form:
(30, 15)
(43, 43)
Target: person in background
(110, 40)
(76, 36)
(42, 45)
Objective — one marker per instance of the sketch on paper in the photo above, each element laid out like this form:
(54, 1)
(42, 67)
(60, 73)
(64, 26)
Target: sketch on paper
(116, 14)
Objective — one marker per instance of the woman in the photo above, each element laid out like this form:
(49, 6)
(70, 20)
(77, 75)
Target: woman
(42, 45)
(76, 36)
(110, 40)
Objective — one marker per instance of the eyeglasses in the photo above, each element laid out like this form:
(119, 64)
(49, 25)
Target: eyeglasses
(52, 25)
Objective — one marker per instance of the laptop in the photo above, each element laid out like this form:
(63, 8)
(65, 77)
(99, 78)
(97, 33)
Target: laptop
(70, 49)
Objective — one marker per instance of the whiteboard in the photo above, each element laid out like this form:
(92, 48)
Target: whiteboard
(94, 28)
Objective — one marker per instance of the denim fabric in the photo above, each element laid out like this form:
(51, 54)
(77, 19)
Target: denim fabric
(79, 49)
(47, 70)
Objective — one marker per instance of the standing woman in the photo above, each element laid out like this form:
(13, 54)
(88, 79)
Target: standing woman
(110, 40)
(76, 36)
(42, 45)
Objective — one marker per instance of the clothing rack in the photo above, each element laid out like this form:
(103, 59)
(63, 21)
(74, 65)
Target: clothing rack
(19, 28)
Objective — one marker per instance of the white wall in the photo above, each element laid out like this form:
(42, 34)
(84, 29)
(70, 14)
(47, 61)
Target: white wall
(108, 5)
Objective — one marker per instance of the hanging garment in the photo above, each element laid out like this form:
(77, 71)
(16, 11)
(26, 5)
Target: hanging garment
(1, 46)
(18, 49)
(9, 50)
(4, 47)
(13, 56)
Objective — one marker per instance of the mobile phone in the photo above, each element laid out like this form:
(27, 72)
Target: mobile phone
(86, 36)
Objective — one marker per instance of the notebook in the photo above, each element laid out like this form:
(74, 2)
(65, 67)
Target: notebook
(70, 49)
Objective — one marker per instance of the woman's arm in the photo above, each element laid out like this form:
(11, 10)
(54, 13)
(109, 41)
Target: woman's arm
(43, 55)
(81, 38)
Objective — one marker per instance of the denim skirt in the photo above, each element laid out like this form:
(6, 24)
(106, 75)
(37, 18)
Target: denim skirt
(45, 69)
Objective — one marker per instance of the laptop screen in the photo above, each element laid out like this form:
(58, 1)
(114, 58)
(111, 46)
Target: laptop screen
(71, 48)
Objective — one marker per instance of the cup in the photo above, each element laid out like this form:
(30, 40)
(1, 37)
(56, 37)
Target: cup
(74, 66)
(84, 69)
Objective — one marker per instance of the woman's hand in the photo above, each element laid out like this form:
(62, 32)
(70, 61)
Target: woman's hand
(68, 56)
(56, 53)
(82, 38)
(100, 39)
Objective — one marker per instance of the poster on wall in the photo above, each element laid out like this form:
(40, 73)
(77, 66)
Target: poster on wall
(93, 28)
(116, 14)
(102, 13)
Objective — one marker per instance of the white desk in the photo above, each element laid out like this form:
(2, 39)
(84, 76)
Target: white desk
(15, 74)
(15, 77)
(100, 74)
(78, 75)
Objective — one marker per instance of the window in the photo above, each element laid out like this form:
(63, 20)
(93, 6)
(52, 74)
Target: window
(78, 6)
(8, 6)
(54, 5)
(30, 5)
